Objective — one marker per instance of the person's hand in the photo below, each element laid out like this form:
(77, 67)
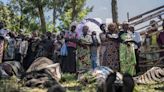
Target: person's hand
(139, 50)
(23, 55)
(79, 41)
(127, 43)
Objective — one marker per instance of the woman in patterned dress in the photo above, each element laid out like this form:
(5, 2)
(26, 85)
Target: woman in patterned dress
(111, 55)
(127, 52)
(84, 62)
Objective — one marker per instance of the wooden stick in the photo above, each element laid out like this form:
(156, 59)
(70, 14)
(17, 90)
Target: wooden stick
(145, 13)
(157, 60)
(151, 65)
(159, 13)
(149, 25)
(150, 52)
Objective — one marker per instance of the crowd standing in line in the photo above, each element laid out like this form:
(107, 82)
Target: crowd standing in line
(115, 48)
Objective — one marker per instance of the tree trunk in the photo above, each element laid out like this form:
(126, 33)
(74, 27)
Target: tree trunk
(74, 12)
(21, 19)
(42, 19)
(54, 18)
(114, 11)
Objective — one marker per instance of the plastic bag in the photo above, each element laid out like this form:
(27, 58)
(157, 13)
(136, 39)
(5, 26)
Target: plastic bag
(63, 50)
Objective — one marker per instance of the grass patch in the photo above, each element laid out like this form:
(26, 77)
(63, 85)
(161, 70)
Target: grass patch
(70, 83)
(149, 88)
(15, 85)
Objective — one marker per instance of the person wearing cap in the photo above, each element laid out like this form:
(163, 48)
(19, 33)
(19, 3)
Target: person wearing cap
(137, 38)
(126, 51)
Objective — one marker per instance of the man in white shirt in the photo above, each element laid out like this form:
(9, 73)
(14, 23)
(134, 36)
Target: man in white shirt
(137, 39)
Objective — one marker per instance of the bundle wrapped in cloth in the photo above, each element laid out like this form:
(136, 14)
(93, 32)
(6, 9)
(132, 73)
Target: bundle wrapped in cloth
(98, 76)
(42, 72)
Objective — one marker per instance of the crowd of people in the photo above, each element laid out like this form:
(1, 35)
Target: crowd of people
(112, 48)
(115, 48)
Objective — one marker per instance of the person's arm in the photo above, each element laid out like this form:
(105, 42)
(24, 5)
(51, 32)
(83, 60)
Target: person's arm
(66, 37)
(121, 40)
(87, 40)
(108, 35)
(99, 38)
(21, 48)
(112, 36)
(99, 41)
(74, 39)
(119, 37)
(26, 48)
(139, 40)
(159, 41)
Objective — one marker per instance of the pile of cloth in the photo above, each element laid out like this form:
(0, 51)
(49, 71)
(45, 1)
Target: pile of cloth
(98, 76)
(10, 68)
(42, 73)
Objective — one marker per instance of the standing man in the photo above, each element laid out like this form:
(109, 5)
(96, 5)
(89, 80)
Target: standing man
(104, 42)
(94, 49)
(160, 40)
(137, 40)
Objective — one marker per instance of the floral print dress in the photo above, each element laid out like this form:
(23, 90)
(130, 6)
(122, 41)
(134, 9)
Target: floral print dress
(83, 53)
(127, 54)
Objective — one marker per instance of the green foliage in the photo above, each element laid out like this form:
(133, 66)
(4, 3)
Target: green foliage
(9, 85)
(8, 17)
(69, 82)
(74, 11)
(29, 14)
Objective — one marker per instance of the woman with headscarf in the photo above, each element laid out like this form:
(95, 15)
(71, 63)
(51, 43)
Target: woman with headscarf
(111, 54)
(71, 38)
(126, 51)
(85, 41)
